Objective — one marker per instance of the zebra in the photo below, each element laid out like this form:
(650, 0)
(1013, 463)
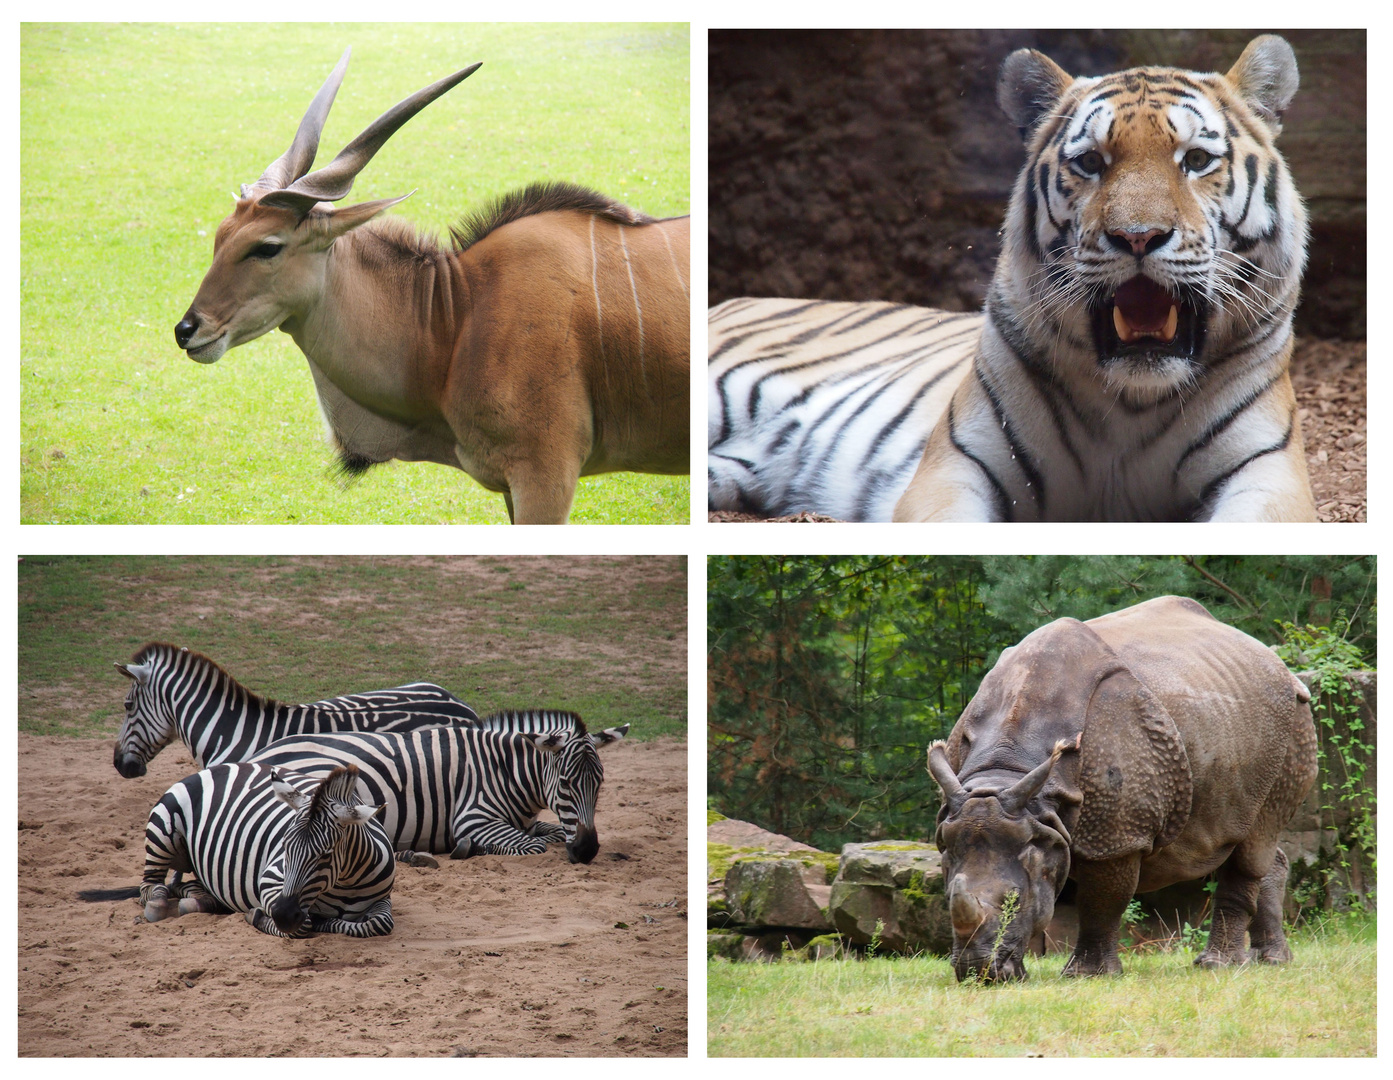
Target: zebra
(298, 855)
(472, 790)
(177, 692)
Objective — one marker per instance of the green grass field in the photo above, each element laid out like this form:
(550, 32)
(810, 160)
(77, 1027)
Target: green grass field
(133, 139)
(1322, 1004)
(605, 636)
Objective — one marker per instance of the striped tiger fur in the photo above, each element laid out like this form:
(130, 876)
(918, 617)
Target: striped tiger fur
(1131, 361)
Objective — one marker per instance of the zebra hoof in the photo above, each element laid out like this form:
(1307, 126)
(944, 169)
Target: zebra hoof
(158, 910)
(191, 905)
(420, 859)
(463, 850)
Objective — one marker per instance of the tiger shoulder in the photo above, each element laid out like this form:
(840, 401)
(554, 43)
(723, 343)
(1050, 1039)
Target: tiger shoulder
(1131, 360)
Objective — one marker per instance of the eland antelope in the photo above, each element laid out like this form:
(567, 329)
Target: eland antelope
(547, 341)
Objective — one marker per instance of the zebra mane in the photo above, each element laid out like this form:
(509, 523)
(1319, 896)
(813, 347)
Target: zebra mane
(533, 720)
(158, 648)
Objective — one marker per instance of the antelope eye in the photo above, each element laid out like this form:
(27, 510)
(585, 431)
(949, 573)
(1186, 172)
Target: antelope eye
(1089, 163)
(267, 250)
(1197, 159)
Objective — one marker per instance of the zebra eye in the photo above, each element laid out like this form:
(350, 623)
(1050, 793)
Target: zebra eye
(1089, 163)
(1197, 159)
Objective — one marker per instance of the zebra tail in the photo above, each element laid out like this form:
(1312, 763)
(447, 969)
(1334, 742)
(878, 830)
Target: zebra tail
(95, 895)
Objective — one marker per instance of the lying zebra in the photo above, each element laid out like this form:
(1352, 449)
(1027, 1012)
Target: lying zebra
(297, 855)
(472, 790)
(176, 692)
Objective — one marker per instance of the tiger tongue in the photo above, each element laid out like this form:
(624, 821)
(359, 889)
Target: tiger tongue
(1141, 308)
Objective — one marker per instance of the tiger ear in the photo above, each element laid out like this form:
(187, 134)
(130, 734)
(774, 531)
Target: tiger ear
(1029, 87)
(1266, 78)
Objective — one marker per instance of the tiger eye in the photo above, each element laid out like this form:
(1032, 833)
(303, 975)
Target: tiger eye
(1197, 159)
(1090, 162)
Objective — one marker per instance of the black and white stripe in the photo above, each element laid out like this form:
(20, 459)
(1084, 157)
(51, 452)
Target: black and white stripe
(178, 693)
(298, 855)
(472, 790)
(826, 407)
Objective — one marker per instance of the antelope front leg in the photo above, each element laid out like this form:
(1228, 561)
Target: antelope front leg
(541, 494)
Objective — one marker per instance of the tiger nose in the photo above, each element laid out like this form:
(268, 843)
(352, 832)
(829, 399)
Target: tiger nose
(1139, 241)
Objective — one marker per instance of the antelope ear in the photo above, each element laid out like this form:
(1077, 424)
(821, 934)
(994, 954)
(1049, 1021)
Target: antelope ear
(334, 221)
(609, 735)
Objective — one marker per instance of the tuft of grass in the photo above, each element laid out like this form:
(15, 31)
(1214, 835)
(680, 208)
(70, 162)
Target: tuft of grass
(133, 138)
(604, 636)
(1322, 1004)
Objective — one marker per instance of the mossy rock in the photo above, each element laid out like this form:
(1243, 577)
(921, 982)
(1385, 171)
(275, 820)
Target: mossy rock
(773, 893)
(713, 816)
(721, 857)
(724, 945)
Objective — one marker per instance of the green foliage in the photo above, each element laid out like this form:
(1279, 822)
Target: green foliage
(828, 677)
(1251, 592)
(133, 136)
(1348, 802)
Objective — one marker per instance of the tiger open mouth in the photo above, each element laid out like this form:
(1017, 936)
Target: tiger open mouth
(1144, 320)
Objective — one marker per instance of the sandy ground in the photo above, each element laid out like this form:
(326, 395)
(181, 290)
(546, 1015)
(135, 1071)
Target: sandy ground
(493, 956)
(1329, 379)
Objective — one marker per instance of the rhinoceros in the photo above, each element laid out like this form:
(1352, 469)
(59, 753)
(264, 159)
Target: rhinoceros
(1145, 747)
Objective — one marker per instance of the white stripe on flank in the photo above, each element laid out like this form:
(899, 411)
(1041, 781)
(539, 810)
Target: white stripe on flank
(673, 256)
(637, 307)
(595, 283)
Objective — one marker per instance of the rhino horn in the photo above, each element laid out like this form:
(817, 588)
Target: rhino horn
(942, 772)
(964, 909)
(1014, 798)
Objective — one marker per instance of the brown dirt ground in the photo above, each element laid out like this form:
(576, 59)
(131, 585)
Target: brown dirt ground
(1329, 379)
(493, 956)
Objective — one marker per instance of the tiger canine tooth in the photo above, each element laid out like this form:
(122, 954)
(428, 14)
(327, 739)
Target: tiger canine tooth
(1172, 321)
(1124, 331)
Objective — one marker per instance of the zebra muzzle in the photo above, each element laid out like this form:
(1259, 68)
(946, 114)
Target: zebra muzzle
(287, 913)
(583, 848)
(128, 765)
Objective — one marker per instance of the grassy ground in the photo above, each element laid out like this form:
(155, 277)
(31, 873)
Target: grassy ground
(604, 636)
(1322, 1004)
(133, 138)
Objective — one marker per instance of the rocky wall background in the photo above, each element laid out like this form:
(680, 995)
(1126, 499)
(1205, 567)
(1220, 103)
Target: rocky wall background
(875, 165)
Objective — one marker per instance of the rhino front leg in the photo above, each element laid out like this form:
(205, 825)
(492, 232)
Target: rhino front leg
(1105, 889)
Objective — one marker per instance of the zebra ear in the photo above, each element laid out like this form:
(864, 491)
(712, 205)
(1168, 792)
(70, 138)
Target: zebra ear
(609, 735)
(292, 798)
(356, 815)
(549, 743)
(138, 672)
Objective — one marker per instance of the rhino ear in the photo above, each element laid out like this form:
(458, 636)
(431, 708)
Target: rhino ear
(1133, 771)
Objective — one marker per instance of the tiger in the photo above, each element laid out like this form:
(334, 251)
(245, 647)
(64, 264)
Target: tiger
(1130, 362)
